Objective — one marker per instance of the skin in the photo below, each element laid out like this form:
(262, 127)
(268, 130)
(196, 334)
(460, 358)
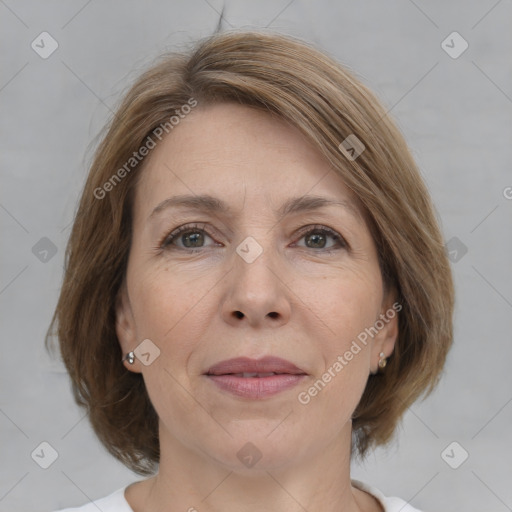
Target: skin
(304, 299)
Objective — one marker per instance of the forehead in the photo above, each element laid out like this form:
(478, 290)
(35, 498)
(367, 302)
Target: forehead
(239, 153)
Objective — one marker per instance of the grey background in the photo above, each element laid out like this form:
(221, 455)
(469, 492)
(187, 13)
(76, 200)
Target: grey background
(456, 115)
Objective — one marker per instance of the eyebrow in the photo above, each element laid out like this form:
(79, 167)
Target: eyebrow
(211, 204)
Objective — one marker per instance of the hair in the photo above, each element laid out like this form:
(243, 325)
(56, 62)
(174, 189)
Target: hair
(303, 86)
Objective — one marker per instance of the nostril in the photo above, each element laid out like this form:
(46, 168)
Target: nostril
(273, 314)
(239, 314)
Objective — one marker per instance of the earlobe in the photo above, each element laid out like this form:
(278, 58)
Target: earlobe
(384, 343)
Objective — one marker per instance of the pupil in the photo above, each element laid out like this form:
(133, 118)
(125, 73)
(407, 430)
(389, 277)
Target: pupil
(317, 240)
(194, 238)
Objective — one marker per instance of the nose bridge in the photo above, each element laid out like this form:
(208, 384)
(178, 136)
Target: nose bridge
(253, 266)
(256, 293)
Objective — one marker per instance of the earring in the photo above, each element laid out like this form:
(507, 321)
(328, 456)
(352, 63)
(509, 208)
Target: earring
(382, 361)
(130, 357)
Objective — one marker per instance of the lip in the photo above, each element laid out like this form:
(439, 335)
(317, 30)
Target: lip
(267, 364)
(228, 376)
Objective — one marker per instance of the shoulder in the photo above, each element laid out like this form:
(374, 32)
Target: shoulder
(389, 503)
(115, 502)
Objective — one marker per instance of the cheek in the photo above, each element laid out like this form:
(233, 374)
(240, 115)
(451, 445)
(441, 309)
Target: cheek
(347, 305)
(162, 301)
(164, 311)
(175, 313)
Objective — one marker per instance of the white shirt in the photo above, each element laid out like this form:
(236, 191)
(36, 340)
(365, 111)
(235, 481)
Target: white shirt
(116, 502)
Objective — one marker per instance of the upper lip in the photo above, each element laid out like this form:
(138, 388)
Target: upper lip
(266, 364)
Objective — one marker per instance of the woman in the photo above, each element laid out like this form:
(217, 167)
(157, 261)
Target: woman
(256, 286)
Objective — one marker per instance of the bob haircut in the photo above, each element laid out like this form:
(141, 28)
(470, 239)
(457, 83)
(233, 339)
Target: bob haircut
(297, 83)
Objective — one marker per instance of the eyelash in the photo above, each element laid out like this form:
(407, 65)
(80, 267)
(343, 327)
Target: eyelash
(167, 240)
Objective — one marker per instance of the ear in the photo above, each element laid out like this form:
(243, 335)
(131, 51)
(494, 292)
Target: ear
(387, 327)
(125, 328)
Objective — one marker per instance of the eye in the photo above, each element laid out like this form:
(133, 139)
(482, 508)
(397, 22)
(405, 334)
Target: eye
(191, 237)
(317, 238)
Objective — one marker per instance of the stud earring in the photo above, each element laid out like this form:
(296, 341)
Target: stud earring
(382, 361)
(130, 357)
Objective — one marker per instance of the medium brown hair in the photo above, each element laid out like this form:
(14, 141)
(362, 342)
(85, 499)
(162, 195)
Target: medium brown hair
(303, 86)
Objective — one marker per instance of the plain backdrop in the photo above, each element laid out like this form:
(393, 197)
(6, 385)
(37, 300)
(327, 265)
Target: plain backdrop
(455, 110)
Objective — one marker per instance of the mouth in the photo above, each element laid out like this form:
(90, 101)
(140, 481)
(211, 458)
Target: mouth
(252, 375)
(255, 378)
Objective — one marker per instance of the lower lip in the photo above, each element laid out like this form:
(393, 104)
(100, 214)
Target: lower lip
(256, 387)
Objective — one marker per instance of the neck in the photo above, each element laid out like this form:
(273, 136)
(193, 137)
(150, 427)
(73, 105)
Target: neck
(190, 480)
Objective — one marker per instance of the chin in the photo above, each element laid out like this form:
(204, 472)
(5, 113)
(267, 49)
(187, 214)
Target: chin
(254, 450)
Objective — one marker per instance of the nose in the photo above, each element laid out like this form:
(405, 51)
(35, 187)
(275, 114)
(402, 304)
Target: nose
(256, 294)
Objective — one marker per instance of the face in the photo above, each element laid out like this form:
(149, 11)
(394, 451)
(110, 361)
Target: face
(277, 261)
